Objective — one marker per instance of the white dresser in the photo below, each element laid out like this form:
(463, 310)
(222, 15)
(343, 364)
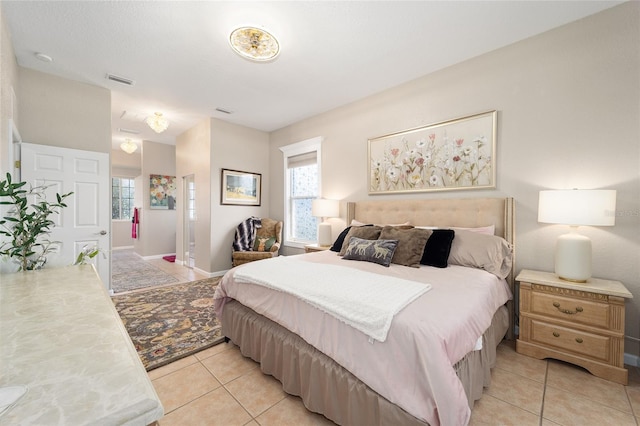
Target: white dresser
(61, 336)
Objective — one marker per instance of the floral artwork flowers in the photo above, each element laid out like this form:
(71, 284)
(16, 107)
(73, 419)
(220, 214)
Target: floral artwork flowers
(162, 192)
(456, 154)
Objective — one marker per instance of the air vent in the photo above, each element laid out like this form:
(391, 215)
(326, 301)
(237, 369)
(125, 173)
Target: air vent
(120, 80)
(133, 132)
(224, 111)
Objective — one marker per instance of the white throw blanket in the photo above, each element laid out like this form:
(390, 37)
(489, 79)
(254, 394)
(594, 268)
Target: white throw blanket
(363, 300)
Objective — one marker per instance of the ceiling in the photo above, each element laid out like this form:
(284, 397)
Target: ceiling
(332, 53)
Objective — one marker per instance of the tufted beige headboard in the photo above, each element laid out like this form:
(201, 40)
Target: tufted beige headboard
(443, 212)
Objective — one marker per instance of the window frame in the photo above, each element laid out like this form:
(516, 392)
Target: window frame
(121, 219)
(307, 146)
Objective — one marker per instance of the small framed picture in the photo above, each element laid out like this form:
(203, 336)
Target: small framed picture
(240, 188)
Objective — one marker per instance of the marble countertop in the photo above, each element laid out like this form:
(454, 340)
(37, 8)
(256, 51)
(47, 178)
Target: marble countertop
(61, 336)
(593, 285)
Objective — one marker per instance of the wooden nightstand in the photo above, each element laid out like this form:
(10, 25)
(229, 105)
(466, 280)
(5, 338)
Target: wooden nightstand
(314, 247)
(580, 323)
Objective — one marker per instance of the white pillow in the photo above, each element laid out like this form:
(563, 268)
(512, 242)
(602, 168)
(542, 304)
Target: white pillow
(487, 230)
(358, 223)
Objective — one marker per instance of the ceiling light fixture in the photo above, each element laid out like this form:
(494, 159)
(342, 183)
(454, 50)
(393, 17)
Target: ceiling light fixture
(157, 122)
(128, 146)
(254, 44)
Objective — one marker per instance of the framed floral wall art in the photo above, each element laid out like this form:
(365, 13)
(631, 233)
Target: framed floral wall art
(451, 155)
(162, 192)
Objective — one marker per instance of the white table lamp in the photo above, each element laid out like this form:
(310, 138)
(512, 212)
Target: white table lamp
(323, 208)
(574, 208)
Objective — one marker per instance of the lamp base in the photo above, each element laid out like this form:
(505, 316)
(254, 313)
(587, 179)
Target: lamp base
(324, 234)
(573, 257)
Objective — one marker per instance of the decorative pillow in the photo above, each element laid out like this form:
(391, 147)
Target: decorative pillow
(364, 232)
(264, 244)
(489, 252)
(337, 244)
(376, 251)
(411, 243)
(436, 251)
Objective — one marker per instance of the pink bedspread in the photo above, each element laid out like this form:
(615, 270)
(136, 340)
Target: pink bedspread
(413, 368)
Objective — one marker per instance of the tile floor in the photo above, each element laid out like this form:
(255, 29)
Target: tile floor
(179, 272)
(219, 386)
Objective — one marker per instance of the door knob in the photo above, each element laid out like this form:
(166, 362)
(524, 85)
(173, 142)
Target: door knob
(103, 232)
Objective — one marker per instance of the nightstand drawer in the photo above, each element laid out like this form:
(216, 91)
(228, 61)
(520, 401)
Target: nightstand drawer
(571, 309)
(591, 345)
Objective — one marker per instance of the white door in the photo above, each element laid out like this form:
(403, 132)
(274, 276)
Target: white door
(87, 219)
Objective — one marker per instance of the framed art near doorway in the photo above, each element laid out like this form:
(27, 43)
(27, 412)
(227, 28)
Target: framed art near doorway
(240, 188)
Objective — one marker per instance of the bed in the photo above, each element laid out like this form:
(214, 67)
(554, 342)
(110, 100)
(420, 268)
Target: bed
(435, 356)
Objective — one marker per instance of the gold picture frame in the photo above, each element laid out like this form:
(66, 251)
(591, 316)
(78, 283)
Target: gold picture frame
(451, 155)
(240, 188)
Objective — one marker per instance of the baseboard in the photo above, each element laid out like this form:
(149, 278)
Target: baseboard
(215, 273)
(633, 360)
(156, 256)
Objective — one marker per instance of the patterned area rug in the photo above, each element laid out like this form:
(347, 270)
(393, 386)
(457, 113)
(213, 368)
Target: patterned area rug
(171, 322)
(130, 272)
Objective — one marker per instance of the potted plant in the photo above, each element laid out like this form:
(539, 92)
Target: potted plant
(25, 227)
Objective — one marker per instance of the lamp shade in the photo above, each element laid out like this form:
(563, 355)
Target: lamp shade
(576, 207)
(321, 207)
(593, 207)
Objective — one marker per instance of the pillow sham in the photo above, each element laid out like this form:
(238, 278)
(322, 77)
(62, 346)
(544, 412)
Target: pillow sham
(489, 230)
(411, 244)
(337, 244)
(358, 223)
(436, 251)
(364, 232)
(489, 252)
(376, 251)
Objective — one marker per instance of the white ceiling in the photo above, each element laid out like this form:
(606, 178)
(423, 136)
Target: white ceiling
(333, 53)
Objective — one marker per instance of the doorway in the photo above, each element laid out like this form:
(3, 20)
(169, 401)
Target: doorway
(189, 221)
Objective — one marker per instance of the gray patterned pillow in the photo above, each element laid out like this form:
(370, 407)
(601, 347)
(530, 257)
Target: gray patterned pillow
(364, 232)
(376, 251)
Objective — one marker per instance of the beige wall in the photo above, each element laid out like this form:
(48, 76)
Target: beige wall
(124, 165)
(569, 116)
(203, 151)
(237, 148)
(157, 227)
(8, 83)
(193, 157)
(65, 113)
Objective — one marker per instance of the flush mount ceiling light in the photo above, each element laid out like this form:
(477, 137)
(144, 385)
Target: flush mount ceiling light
(128, 146)
(157, 122)
(254, 44)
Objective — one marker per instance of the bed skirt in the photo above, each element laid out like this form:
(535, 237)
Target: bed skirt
(327, 388)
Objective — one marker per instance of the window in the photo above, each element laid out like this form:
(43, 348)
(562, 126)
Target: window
(122, 192)
(302, 185)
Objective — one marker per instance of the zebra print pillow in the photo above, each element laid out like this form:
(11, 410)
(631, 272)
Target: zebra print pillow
(376, 251)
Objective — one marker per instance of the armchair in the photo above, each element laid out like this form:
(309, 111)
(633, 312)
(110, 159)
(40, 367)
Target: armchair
(266, 244)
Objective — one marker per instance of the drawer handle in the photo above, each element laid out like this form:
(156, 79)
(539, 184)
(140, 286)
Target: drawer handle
(579, 340)
(567, 311)
(556, 334)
